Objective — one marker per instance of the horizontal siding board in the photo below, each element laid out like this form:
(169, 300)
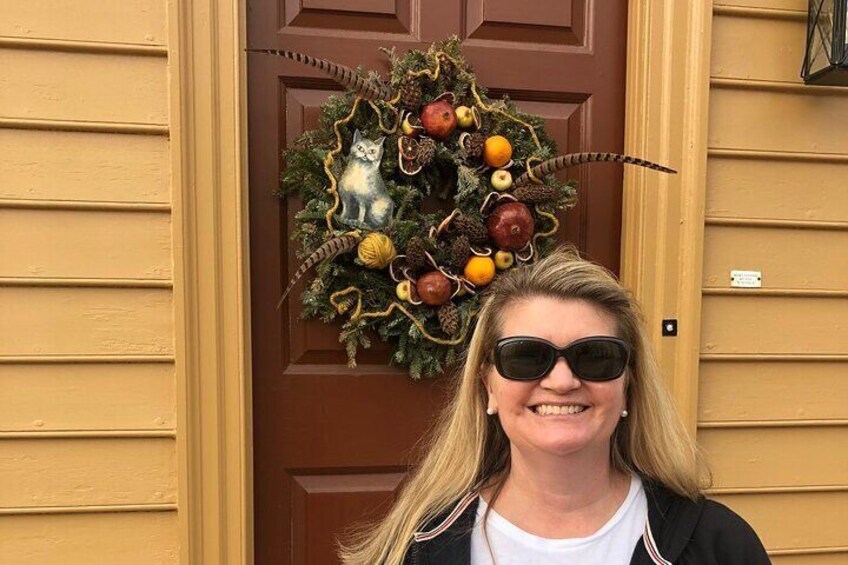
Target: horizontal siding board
(76, 472)
(71, 321)
(794, 5)
(776, 457)
(55, 165)
(840, 558)
(773, 189)
(87, 397)
(757, 48)
(787, 258)
(734, 391)
(742, 119)
(137, 538)
(85, 244)
(128, 21)
(83, 87)
(747, 324)
(789, 521)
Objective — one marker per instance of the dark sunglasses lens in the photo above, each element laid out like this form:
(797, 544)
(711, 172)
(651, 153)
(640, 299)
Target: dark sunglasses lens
(525, 359)
(598, 360)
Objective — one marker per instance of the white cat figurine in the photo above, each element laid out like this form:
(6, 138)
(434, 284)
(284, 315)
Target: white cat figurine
(365, 200)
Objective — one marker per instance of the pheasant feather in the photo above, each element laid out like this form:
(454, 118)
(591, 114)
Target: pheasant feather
(345, 76)
(572, 159)
(327, 251)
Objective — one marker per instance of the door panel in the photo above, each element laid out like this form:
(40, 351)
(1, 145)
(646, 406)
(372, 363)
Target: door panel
(331, 443)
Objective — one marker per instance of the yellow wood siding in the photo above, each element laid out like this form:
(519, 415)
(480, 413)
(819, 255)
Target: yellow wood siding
(94, 244)
(773, 392)
(128, 538)
(88, 458)
(801, 190)
(112, 168)
(127, 21)
(87, 396)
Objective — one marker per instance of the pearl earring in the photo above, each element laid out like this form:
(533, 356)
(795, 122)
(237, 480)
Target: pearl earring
(624, 413)
(491, 411)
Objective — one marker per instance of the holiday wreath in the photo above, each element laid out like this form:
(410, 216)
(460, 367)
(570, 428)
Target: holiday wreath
(382, 153)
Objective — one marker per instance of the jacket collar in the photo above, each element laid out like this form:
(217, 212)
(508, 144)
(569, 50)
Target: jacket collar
(444, 522)
(446, 540)
(671, 522)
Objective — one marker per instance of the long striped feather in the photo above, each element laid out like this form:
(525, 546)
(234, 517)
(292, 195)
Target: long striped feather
(327, 251)
(572, 159)
(345, 76)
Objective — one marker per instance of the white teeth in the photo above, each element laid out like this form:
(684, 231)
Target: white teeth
(549, 409)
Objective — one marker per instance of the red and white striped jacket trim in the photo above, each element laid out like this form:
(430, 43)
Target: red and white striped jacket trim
(447, 522)
(651, 546)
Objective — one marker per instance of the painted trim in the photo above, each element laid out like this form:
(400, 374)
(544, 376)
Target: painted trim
(77, 46)
(211, 287)
(667, 103)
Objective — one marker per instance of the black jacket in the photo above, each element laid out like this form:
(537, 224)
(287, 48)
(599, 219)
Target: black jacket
(680, 531)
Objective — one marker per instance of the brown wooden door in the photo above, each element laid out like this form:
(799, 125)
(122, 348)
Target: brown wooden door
(330, 443)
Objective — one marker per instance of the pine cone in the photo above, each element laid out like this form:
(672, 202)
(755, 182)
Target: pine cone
(460, 251)
(426, 151)
(415, 255)
(410, 93)
(474, 144)
(448, 69)
(535, 193)
(449, 318)
(471, 228)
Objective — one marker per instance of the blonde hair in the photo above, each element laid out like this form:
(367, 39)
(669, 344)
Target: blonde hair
(468, 449)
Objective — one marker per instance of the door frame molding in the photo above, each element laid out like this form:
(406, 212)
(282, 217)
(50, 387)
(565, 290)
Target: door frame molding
(667, 98)
(667, 103)
(208, 135)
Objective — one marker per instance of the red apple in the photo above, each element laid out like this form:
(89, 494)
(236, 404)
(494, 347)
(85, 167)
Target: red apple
(438, 119)
(504, 259)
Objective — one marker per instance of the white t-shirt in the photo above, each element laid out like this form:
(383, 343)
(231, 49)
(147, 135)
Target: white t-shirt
(613, 544)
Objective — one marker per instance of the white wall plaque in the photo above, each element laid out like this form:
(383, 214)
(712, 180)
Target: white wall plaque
(746, 279)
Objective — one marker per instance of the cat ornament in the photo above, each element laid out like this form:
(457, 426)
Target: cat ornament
(362, 192)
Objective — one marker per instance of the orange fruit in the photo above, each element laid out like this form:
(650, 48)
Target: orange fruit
(497, 151)
(480, 270)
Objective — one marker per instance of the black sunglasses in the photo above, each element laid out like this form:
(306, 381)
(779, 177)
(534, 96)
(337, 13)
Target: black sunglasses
(596, 358)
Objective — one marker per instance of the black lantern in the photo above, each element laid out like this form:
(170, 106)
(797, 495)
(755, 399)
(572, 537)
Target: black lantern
(826, 59)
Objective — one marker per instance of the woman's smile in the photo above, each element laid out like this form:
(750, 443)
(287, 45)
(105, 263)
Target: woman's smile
(559, 409)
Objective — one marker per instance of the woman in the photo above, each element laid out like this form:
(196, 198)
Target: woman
(560, 445)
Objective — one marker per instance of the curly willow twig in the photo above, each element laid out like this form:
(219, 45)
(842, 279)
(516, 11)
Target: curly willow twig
(328, 162)
(358, 314)
(530, 172)
(434, 74)
(550, 232)
(383, 128)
